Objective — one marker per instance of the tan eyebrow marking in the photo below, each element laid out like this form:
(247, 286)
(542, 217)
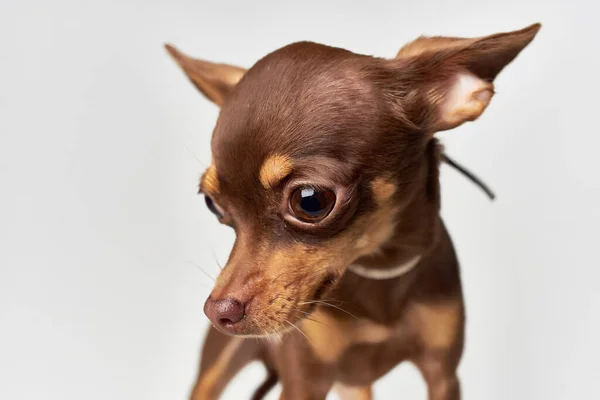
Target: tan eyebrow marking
(274, 169)
(210, 180)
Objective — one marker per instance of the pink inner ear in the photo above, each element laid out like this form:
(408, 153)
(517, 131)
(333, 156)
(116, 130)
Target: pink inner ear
(465, 100)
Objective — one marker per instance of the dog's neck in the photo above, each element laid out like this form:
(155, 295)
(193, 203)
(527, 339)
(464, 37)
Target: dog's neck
(385, 273)
(418, 228)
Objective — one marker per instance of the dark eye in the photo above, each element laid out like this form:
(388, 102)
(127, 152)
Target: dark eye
(311, 204)
(213, 207)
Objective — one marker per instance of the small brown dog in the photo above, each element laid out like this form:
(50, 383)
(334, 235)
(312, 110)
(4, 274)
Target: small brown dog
(326, 165)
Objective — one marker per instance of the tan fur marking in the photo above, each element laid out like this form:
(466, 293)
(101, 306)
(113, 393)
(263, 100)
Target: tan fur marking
(381, 222)
(328, 340)
(210, 180)
(383, 190)
(438, 324)
(274, 169)
(330, 336)
(211, 378)
(381, 227)
(353, 392)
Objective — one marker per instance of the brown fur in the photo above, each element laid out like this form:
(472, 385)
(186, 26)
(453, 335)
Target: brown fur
(363, 128)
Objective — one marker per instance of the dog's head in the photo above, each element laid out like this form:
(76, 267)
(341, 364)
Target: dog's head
(322, 156)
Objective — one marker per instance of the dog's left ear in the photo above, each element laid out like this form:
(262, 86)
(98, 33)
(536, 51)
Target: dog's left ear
(452, 78)
(215, 81)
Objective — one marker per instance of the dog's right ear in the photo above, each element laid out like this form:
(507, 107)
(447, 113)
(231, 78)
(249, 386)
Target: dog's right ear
(215, 81)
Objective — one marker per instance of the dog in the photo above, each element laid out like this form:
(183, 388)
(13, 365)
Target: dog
(326, 165)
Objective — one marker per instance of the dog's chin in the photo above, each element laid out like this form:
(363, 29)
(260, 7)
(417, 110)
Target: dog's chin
(250, 329)
(271, 330)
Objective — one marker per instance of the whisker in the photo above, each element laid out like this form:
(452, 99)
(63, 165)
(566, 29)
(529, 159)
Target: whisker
(278, 336)
(299, 330)
(329, 301)
(330, 305)
(202, 269)
(272, 333)
(316, 320)
(193, 154)
(216, 259)
(205, 286)
(307, 316)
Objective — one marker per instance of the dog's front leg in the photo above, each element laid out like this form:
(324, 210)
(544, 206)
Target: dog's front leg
(222, 357)
(440, 376)
(303, 376)
(354, 392)
(304, 389)
(441, 334)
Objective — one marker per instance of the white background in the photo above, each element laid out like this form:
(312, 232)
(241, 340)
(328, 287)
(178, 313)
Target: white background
(102, 141)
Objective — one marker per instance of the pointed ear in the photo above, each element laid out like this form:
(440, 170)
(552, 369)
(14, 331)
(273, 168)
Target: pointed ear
(454, 77)
(215, 81)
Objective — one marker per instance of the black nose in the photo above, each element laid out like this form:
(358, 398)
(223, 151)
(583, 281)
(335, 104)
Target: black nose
(224, 313)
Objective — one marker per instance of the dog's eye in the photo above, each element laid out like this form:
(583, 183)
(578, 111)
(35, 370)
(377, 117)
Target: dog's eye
(213, 207)
(310, 204)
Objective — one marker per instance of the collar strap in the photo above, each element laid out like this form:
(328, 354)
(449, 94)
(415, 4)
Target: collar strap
(385, 273)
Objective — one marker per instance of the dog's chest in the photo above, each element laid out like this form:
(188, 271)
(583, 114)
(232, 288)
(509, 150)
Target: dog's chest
(361, 364)
(357, 340)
